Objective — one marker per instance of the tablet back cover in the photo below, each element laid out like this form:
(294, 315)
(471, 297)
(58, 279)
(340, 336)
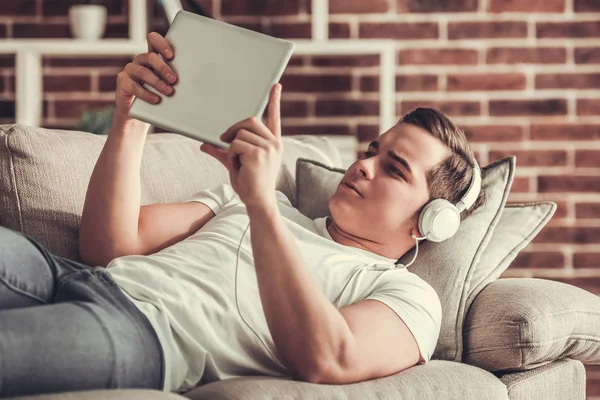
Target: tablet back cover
(225, 74)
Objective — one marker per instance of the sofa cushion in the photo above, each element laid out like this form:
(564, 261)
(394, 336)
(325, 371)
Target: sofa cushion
(44, 174)
(111, 394)
(523, 323)
(438, 379)
(562, 379)
(447, 270)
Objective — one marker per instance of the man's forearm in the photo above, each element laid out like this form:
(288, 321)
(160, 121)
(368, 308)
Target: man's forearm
(109, 224)
(309, 332)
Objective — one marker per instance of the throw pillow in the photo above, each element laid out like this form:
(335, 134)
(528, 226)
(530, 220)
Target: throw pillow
(447, 270)
(517, 227)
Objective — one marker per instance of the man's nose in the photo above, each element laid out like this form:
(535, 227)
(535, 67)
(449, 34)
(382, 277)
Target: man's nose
(365, 169)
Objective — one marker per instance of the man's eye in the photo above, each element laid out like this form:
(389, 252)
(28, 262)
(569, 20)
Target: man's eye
(397, 171)
(368, 154)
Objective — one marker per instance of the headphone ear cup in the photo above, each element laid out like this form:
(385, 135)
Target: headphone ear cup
(439, 220)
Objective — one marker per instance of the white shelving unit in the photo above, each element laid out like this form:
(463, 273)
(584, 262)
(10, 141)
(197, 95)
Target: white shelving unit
(29, 52)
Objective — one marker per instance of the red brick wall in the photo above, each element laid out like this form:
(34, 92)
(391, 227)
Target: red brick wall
(521, 77)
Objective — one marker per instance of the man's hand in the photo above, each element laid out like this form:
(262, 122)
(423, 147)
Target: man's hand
(254, 156)
(149, 68)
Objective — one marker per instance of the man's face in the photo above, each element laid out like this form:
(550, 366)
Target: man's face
(391, 184)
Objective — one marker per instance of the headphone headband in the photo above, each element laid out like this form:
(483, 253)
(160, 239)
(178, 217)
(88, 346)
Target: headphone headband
(473, 191)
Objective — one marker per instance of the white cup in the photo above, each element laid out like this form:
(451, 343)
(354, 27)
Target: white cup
(87, 21)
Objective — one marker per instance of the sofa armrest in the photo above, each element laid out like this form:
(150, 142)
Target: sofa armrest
(522, 323)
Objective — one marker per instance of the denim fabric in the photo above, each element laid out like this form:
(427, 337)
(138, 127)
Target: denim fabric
(66, 326)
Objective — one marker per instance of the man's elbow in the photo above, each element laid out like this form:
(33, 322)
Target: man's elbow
(101, 258)
(325, 370)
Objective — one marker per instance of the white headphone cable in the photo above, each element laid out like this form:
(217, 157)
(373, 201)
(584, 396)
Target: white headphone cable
(416, 250)
(238, 304)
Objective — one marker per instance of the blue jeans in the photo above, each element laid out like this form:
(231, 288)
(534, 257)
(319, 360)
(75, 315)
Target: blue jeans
(66, 326)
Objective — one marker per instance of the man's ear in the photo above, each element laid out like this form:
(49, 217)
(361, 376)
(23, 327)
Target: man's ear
(414, 220)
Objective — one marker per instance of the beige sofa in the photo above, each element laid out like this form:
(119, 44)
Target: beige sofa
(43, 180)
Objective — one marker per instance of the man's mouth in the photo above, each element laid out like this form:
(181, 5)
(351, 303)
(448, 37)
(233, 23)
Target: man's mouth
(350, 186)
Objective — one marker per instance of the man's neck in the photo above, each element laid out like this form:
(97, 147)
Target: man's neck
(347, 239)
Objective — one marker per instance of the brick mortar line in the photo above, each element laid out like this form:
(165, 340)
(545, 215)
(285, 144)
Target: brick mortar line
(554, 272)
(217, 9)
(531, 31)
(460, 17)
(354, 28)
(483, 95)
(370, 71)
(568, 265)
(569, 9)
(277, 19)
(569, 222)
(572, 106)
(303, 9)
(443, 82)
(368, 18)
(443, 29)
(94, 82)
(524, 272)
(556, 171)
(571, 209)
(541, 146)
(392, 10)
(82, 70)
(498, 144)
(533, 186)
(531, 197)
(79, 71)
(568, 273)
(526, 131)
(454, 96)
(430, 69)
(530, 74)
(570, 55)
(483, 150)
(539, 247)
(571, 157)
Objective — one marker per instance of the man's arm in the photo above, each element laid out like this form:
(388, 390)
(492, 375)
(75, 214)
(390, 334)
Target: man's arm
(109, 223)
(317, 342)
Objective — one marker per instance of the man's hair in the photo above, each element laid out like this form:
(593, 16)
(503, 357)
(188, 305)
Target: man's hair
(450, 178)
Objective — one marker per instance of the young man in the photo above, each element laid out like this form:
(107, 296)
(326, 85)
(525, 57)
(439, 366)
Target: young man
(233, 281)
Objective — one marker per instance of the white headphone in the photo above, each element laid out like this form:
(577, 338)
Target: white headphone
(439, 219)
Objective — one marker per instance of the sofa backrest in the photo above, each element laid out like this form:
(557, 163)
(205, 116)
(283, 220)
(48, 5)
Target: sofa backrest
(44, 175)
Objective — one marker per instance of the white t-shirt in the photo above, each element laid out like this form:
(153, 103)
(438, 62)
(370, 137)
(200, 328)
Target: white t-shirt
(188, 292)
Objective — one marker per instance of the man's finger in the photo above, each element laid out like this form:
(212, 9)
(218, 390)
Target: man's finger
(274, 117)
(254, 125)
(158, 43)
(217, 153)
(238, 151)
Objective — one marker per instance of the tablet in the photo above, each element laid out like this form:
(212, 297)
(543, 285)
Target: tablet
(225, 74)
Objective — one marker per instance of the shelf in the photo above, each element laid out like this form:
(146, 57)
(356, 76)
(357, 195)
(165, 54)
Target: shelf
(73, 46)
(126, 46)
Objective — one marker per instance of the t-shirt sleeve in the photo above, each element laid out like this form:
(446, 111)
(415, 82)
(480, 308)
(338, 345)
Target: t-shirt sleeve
(417, 304)
(215, 198)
